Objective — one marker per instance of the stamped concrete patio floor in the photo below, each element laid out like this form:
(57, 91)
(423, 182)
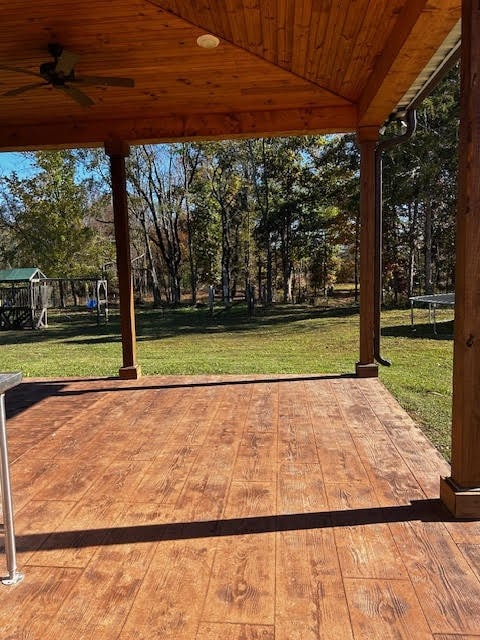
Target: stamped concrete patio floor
(204, 508)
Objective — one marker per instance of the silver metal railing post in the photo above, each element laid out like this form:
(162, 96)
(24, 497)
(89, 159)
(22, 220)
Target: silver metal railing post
(13, 575)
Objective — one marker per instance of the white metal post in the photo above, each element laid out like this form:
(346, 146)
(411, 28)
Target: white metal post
(13, 575)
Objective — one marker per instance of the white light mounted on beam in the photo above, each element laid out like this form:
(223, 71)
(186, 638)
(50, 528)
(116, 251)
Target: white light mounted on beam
(208, 41)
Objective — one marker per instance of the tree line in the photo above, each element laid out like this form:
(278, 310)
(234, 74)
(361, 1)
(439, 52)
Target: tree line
(278, 216)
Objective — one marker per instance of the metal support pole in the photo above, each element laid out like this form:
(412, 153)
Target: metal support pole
(13, 575)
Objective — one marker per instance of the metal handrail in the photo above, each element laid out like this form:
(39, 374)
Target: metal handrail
(7, 381)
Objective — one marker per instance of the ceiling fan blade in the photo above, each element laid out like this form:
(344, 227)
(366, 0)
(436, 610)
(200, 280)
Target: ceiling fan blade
(26, 87)
(19, 70)
(77, 95)
(66, 61)
(105, 81)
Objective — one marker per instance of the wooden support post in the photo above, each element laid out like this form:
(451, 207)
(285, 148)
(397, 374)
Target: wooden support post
(461, 492)
(367, 138)
(117, 152)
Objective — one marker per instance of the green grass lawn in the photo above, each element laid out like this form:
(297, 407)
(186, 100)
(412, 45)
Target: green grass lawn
(281, 339)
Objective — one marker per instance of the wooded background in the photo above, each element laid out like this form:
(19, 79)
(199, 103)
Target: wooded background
(279, 215)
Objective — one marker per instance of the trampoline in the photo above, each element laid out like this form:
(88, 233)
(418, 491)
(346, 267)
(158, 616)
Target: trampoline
(433, 301)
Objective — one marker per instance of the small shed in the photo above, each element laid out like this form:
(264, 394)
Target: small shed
(23, 299)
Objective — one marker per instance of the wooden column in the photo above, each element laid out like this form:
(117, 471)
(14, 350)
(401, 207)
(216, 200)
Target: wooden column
(461, 492)
(117, 152)
(367, 139)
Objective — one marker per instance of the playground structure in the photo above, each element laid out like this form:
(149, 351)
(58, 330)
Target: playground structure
(23, 299)
(27, 294)
(82, 292)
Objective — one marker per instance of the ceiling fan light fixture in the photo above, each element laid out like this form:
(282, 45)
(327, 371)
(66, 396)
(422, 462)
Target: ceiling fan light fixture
(208, 41)
(59, 73)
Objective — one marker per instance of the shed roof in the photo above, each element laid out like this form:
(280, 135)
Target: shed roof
(283, 67)
(20, 275)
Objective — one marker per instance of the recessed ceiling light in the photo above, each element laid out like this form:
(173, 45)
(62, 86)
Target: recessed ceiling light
(208, 41)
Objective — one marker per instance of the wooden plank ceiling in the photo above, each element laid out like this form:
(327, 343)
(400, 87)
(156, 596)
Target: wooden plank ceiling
(282, 66)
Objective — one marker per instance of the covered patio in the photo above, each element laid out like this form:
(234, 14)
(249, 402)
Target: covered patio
(132, 71)
(212, 507)
(251, 509)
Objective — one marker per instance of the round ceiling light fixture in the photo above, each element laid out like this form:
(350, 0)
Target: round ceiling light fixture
(208, 41)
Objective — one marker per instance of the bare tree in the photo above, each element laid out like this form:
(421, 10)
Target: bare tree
(155, 179)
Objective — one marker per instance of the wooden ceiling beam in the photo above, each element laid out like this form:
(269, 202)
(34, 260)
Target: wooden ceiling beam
(181, 127)
(420, 27)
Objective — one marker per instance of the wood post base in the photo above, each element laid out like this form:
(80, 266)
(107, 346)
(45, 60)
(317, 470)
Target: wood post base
(366, 370)
(130, 373)
(462, 503)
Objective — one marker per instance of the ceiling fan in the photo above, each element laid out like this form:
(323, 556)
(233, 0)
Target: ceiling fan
(60, 74)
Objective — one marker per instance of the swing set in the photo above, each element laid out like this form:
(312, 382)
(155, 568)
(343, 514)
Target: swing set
(75, 293)
(27, 294)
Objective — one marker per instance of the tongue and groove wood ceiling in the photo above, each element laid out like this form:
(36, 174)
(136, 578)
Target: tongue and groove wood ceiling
(282, 66)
